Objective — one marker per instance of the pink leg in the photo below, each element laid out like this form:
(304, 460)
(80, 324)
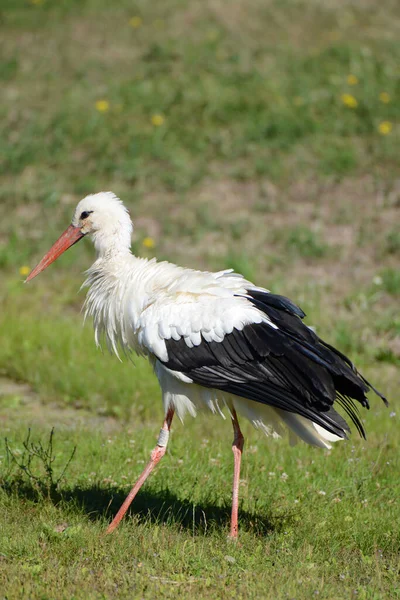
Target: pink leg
(237, 447)
(155, 458)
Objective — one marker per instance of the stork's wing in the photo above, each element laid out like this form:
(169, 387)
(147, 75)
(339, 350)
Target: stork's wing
(256, 346)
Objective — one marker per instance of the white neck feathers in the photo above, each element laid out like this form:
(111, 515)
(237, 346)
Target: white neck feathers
(110, 242)
(116, 296)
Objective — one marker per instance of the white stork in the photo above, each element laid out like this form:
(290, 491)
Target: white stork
(215, 340)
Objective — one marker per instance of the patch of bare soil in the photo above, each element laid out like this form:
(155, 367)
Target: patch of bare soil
(18, 402)
(352, 218)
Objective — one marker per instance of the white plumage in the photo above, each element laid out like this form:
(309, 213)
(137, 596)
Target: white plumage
(137, 304)
(218, 327)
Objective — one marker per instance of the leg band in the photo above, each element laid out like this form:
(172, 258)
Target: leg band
(163, 438)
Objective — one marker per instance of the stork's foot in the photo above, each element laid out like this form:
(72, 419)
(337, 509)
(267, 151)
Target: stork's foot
(155, 458)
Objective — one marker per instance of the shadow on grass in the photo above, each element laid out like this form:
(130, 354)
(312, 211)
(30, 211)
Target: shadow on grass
(152, 507)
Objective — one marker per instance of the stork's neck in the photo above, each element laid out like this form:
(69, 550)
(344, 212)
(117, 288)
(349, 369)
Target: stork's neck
(117, 295)
(110, 244)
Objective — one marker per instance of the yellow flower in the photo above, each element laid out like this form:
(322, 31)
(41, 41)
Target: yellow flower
(157, 120)
(352, 79)
(149, 243)
(135, 22)
(24, 270)
(102, 106)
(385, 127)
(349, 100)
(384, 97)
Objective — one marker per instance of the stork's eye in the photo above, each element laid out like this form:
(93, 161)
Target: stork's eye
(85, 214)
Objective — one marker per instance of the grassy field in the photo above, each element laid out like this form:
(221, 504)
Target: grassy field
(260, 135)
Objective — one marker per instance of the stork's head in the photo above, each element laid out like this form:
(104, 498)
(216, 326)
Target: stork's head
(101, 216)
(105, 219)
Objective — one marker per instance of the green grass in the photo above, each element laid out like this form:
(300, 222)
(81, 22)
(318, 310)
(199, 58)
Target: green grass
(305, 242)
(393, 242)
(391, 281)
(258, 165)
(331, 526)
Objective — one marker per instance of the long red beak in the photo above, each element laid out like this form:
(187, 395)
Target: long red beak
(67, 239)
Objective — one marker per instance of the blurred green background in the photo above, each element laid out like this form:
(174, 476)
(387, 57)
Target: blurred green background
(257, 135)
(261, 135)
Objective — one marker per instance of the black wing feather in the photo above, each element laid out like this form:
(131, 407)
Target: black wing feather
(289, 368)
